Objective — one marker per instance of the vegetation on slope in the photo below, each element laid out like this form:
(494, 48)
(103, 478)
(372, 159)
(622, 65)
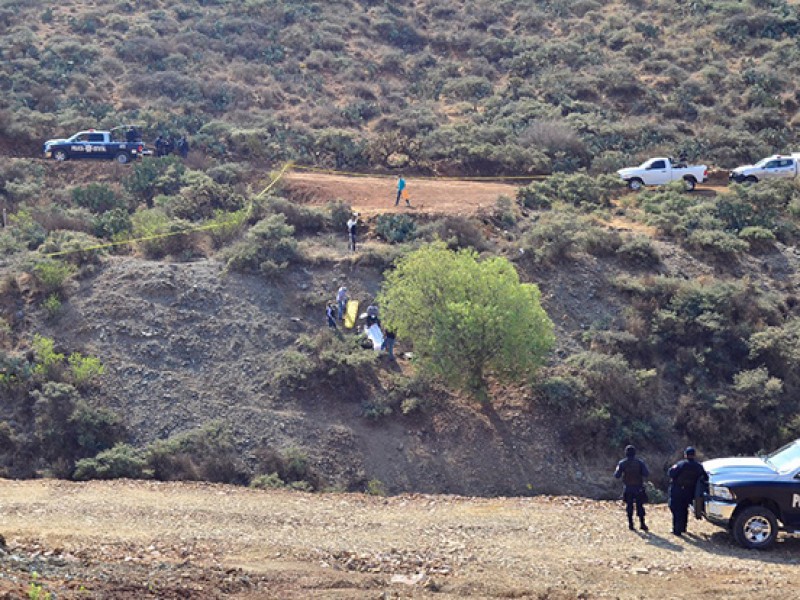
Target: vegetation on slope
(570, 88)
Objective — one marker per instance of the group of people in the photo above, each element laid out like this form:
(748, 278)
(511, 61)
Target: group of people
(687, 477)
(336, 311)
(165, 146)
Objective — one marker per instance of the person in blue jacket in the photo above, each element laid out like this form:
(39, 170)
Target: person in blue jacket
(684, 475)
(633, 472)
(401, 185)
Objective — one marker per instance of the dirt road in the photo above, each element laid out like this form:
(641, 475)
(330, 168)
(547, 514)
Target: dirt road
(166, 540)
(371, 195)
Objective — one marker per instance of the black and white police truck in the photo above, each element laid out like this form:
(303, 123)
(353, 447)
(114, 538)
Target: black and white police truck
(117, 144)
(755, 497)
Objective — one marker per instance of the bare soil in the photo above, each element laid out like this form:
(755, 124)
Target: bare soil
(128, 539)
(372, 195)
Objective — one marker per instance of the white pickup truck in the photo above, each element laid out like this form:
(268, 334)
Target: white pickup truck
(658, 171)
(773, 167)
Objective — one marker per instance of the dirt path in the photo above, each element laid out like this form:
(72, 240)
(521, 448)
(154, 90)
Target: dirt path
(375, 195)
(160, 540)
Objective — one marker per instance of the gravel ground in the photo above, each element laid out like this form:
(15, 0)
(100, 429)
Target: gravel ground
(162, 540)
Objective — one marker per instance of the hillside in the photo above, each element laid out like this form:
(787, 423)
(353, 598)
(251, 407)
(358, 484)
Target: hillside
(147, 540)
(167, 316)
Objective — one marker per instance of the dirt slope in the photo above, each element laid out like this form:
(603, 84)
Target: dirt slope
(148, 540)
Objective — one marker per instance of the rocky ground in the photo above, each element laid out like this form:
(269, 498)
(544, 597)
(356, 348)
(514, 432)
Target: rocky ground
(128, 539)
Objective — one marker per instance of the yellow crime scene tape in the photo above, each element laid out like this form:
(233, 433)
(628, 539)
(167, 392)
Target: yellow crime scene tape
(422, 177)
(159, 236)
(286, 167)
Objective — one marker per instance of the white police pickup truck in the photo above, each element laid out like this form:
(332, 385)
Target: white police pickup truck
(756, 497)
(109, 145)
(777, 166)
(661, 170)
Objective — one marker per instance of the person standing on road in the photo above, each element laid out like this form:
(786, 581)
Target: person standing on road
(352, 231)
(341, 301)
(684, 475)
(401, 186)
(633, 472)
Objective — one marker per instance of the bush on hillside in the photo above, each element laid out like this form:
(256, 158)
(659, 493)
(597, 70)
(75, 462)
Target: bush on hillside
(121, 461)
(395, 228)
(268, 248)
(204, 454)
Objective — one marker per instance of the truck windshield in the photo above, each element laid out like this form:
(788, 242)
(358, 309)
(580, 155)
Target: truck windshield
(763, 162)
(785, 459)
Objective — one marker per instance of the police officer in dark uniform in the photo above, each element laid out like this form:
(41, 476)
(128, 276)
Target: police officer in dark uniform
(633, 471)
(684, 475)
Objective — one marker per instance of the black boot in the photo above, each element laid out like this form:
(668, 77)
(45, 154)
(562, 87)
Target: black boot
(642, 524)
(630, 523)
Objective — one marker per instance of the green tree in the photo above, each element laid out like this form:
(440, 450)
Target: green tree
(466, 318)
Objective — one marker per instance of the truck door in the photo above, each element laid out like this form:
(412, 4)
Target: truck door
(778, 168)
(96, 145)
(658, 173)
(791, 514)
(78, 145)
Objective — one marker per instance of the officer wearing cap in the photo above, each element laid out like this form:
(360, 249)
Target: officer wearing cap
(684, 475)
(633, 471)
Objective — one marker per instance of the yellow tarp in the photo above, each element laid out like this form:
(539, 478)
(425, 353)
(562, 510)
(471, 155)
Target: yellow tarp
(350, 314)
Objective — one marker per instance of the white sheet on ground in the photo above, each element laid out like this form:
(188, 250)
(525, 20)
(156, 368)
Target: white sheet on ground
(375, 334)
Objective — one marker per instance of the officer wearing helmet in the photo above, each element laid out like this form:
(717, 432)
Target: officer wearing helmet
(633, 471)
(684, 475)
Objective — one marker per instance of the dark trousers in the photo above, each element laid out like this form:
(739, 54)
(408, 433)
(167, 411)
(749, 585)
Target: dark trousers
(353, 242)
(399, 195)
(679, 502)
(633, 497)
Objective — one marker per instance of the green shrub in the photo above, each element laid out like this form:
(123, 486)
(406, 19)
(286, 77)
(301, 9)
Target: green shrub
(26, 230)
(639, 250)
(376, 408)
(205, 454)
(74, 247)
(268, 248)
(302, 218)
(154, 176)
(52, 306)
(717, 243)
(395, 228)
(112, 224)
(340, 213)
(553, 237)
(121, 461)
(267, 482)
(84, 369)
(68, 429)
(97, 197)
(157, 235)
(292, 468)
(759, 239)
(52, 275)
(537, 196)
(456, 231)
(224, 227)
(375, 487)
(337, 360)
(48, 363)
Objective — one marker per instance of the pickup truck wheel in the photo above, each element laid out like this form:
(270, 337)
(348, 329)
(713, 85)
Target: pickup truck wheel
(750, 180)
(689, 183)
(123, 158)
(635, 184)
(755, 527)
(60, 155)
